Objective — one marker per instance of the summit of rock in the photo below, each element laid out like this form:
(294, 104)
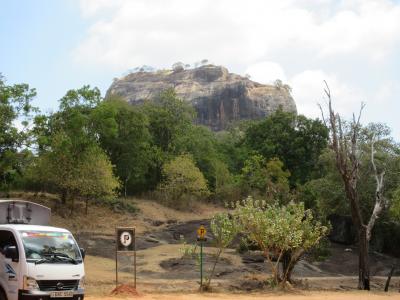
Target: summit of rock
(219, 97)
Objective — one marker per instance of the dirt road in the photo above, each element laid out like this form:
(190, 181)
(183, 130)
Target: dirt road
(356, 295)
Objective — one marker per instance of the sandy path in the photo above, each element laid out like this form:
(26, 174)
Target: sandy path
(356, 295)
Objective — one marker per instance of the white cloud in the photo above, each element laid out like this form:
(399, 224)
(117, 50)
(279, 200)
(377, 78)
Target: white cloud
(90, 8)
(304, 42)
(266, 72)
(308, 90)
(161, 32)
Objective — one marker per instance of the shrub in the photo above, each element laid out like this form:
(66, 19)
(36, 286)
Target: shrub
(183, 182)
(224, 229)
(284, 232)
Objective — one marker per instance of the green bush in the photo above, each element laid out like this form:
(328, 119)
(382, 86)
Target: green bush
(183, 183)
(285, 232)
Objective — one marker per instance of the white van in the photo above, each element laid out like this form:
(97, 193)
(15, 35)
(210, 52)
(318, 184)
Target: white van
(37, 262)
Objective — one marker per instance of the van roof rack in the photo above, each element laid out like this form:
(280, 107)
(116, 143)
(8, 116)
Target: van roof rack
(15, 211)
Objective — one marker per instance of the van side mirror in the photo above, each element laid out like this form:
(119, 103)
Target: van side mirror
(11, 252)
(83, 253)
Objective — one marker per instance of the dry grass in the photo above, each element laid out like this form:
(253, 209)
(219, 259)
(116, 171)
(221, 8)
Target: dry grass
(103, 219)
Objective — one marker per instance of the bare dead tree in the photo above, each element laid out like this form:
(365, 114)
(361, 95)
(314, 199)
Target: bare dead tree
(380, 201)
(344, 143)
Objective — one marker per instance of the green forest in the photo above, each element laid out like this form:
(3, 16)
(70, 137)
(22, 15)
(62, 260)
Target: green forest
(102, 150)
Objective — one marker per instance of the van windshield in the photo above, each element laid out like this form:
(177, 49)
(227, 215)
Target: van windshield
(50, 247)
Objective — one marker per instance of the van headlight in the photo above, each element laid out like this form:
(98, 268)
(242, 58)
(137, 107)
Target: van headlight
(82, 283)
(30, 284)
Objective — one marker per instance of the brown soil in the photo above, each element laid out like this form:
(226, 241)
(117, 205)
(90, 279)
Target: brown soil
(357, 295)
(161, 269)
(124, 290)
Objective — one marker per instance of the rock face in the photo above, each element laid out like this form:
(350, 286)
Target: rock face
(218, 96)
(343, 230)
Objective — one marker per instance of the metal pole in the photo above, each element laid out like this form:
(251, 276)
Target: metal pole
(134, 256)
(116, 259)
(201, 265)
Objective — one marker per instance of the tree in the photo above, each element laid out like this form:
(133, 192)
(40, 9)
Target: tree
(395, 208)
(224, 229)
(178, 66)
(279, 231)
(70, 158)
(345, 141)
(200, 142)
(280, 85)
(227, 188)
(169, 119)
(88, 175)
(296, 140)
(122, 131)
(95, 176)
(15, 107)
(183, 182)
(232, 148)
(325, 195)
(73, 119)
(267, 179)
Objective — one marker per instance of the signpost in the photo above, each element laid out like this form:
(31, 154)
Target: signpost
(125, 243)
(201, 237)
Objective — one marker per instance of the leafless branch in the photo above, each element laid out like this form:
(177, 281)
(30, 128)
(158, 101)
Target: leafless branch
(380, 200)
(322, 114)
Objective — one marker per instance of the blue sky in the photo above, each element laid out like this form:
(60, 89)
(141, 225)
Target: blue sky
(354, 45)
(38, 38)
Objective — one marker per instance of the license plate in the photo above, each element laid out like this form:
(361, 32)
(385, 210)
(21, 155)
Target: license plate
(62, 294)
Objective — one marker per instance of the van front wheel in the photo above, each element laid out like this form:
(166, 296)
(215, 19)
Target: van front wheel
(2, 295)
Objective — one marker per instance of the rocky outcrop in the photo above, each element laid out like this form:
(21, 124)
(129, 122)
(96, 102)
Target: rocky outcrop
(343, 230)
(218, 96)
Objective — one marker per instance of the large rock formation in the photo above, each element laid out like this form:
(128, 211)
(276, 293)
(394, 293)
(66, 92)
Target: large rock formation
(218, 96)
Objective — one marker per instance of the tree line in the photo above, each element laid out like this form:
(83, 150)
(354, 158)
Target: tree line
(94, 149)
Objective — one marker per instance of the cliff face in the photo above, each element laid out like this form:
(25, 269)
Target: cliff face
(218, 96)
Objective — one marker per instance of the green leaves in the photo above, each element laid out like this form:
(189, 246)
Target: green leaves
(266, 179)
(122, 131)
(296, 140)
(85, 97)
(15, 107)
(169, 118)
(224, 229)
(278, 229)
(182, 182)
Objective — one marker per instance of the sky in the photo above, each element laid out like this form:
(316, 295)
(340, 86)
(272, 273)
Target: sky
(57, 45)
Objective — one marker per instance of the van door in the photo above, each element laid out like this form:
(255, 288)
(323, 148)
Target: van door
(9, 269)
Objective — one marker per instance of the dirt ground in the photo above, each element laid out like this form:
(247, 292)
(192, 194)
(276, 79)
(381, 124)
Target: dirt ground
(164, 235)
(278, 296)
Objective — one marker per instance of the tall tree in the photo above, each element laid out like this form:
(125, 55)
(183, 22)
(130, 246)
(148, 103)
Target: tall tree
(15, 107)
(169, 119)
(66, 140)
(345, 139)
(296, 140)
(123, 133)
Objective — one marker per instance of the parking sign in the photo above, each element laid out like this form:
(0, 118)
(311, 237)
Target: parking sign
(125, 239)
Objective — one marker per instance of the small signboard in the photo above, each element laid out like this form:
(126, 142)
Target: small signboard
(201, 237)
(125, 243)
(125, 239)
(201, 233)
